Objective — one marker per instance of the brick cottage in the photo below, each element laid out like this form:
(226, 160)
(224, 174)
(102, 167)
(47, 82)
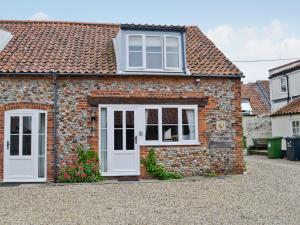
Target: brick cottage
(119, 89)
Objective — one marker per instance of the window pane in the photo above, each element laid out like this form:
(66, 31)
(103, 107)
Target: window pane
(188, 132)
(118, 118)
(41, 165)
(27, 125)
(14, 125)
(135, 43)
(188, 127)
(118, 136)
(172, 60)
(26, 145)
(103, 117)
(170, 116)
(151, 132)
(42, 139)
(151, 116)
(129, 119)
(170, 132)
(130, 139)
(135, 59)
(42, 124)
(188, 116)
(41, 145)
(154, 61)
(153, 44)
(14, 144)
(172, 44)
(103, 157)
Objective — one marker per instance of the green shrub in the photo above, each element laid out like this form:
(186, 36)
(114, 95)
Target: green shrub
(158, 170)
(81, 166)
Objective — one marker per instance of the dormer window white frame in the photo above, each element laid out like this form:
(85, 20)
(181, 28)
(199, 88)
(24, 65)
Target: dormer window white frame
(170, 49)
(283, 84)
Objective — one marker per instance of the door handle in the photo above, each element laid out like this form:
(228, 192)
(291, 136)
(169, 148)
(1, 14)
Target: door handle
(7, 145)
(135, 139)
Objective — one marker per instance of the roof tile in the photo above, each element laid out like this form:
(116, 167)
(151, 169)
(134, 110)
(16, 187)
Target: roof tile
(292, 108)
(70, 47)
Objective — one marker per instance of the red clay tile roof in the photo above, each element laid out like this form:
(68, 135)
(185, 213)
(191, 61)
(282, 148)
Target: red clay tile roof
(292, 108)
(70, 47)
(252, 92)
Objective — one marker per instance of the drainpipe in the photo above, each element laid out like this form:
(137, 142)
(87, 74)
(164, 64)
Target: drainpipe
(287, 88)
(55, 94)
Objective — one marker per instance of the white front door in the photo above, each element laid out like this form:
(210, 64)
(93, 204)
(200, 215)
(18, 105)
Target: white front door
(24, 146)
(123, 156)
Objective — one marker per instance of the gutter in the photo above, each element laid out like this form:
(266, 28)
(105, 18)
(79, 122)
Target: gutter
(287, 87)
(197, 75)
(55, 98)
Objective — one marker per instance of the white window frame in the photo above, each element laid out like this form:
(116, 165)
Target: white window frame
(164, 67)
(143, 52)
(180, 141)
(179, 52)
(292, 127)
(283, 84)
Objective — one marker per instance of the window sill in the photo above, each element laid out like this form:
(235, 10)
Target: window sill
(170, 143)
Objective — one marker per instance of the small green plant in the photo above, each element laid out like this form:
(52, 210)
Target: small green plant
(156, 169)
(80, 166)
(211, 174)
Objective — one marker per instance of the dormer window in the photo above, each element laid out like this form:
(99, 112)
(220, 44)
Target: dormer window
(147, 52)
(5, 37)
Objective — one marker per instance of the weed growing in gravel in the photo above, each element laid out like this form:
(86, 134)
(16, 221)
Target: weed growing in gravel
(156, 169)
(211, 174)
(81, 166)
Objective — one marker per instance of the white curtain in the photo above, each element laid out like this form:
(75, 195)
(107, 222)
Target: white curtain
(190, 114)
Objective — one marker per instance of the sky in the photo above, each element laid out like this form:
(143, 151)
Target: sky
(245, 30)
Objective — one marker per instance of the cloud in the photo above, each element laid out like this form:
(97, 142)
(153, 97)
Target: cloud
(39, 16)
(252, 43)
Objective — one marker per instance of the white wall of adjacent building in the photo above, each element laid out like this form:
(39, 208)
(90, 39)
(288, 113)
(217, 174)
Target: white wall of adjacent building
(282, 126)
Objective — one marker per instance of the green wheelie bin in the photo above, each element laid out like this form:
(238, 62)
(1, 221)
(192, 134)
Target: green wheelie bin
(274, 147)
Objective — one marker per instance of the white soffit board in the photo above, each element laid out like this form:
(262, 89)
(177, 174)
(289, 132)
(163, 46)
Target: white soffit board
(5, 37)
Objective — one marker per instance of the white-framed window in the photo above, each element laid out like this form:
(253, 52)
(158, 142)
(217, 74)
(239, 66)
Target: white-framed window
(170, 125)
(153, 52)
(296, 127)
(283, 84)
(246, 107)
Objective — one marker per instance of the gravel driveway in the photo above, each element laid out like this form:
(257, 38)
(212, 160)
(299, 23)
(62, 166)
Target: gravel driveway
(268, 194)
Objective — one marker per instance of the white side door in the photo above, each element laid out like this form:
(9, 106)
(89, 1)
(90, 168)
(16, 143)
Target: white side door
(123, 155)
(21, 147)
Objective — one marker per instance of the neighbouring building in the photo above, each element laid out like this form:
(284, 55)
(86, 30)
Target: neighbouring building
(285, 93)
(256, 109)
(119, 89)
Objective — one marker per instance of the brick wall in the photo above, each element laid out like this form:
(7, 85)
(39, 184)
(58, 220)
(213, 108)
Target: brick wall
(75, 126)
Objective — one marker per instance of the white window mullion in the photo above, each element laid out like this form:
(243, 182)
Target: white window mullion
(160, 124)
(144, 52)
(179, 124)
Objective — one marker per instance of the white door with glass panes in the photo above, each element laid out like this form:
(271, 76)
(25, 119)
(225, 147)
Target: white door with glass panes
(24, 146)
(119, 152)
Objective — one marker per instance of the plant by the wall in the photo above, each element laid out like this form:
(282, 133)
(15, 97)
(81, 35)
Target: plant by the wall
(156, 169)
(81, 166)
